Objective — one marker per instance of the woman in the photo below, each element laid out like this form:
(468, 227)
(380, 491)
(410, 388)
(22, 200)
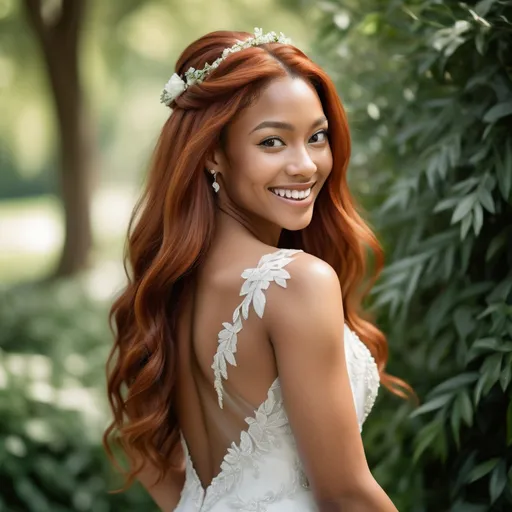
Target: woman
(238, 378)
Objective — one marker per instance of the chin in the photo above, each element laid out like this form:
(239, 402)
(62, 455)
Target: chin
(296, 224)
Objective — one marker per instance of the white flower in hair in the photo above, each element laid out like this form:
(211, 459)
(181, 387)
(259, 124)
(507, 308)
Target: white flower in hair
(176, 85)
(173, 88)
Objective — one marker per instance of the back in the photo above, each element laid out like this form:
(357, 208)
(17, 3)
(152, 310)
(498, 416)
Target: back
(241, 449)
(226, 361)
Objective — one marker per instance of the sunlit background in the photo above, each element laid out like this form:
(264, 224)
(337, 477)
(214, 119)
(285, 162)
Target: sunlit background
(128, 53)
(428, 92)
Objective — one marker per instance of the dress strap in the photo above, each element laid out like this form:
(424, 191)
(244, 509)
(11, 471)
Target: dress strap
(270, 268)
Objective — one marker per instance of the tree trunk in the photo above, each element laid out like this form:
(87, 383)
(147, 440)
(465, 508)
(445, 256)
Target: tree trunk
(59, 41)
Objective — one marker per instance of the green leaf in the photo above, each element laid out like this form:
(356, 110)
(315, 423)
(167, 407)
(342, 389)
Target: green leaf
(490, 346)
(446, 204)
(463, 208)
(455, 383)
(454, 150)
(466, 185)
(484, 6)
(466, 409)
(480, 42)
(498, 481)
(413, 282)
(498, 111)
(474, 291)
(463, 318)
(440, 445)
(501, 291)
(425, 438)
(465, 225)
(432, 168)
(504, 170)
(455, 417)
(411, 130)
(449, 261)
(482, 469)
(506, 373)
(439, 309)
(404, 264)
(432, 405)
(479, 388)
(388, 296)
(486, 200)
(492, 371)
(486, 343)
(488, 311)
(498, 243)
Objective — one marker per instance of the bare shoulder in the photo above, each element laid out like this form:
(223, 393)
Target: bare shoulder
(311, 273)
(312, 295)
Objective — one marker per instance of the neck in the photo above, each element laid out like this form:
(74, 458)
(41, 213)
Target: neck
(238, 225)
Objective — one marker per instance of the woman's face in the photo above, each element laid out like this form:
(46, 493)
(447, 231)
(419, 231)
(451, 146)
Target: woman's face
(276, 157)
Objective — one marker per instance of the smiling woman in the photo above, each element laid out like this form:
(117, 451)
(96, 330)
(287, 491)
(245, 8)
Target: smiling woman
(271, 150)
(258, 270)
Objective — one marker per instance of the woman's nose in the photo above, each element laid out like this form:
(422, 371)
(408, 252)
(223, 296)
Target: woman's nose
(304, 165)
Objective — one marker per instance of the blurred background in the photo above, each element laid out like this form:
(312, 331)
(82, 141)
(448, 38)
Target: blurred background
(428, 90)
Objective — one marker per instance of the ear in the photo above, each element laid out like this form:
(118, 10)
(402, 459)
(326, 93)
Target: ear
(216, 160)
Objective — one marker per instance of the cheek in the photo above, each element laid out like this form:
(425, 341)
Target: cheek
(325, 162)
(248, 173)
(256, 168)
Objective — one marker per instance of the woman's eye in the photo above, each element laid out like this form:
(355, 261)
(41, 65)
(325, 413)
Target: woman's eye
(272, 143)
(320, 136)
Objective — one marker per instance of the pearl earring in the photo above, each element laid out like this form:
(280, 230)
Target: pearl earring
(215, 185)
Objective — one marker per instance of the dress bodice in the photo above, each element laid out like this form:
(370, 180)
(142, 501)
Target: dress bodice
(262, 472)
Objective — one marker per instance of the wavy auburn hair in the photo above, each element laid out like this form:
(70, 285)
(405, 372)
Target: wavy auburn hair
(173, 225)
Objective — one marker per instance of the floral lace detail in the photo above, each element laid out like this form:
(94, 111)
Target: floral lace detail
(362, 367)
(192, 488)
(286, 490)
(270, 268)
(265, 427)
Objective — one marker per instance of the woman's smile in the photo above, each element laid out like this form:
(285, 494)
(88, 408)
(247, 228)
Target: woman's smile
(295, 195)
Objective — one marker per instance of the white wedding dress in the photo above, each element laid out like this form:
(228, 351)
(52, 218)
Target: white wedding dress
(262, 472)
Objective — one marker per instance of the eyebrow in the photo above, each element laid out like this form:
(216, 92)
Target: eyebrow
(286, 126)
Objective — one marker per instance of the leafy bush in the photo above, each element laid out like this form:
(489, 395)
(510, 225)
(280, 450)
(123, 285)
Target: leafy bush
(53, 346)
(429, 94)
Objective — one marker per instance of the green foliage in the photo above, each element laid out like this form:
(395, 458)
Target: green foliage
(54, 342)
(429, 94)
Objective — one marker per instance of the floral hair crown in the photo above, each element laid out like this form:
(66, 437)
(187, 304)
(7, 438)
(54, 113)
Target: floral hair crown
(176, 85)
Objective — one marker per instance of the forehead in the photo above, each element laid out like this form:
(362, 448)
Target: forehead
(288, 99)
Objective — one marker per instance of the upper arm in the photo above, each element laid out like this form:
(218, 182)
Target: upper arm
(306, 324)
(166, 492)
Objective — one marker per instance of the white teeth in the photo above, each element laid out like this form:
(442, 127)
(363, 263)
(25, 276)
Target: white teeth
(291, 194)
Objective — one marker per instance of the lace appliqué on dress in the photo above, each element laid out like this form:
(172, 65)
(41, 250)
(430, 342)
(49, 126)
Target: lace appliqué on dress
(362, 368)
(266, 427)
(270, 268)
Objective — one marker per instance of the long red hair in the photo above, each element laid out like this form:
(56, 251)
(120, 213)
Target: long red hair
(172, 228)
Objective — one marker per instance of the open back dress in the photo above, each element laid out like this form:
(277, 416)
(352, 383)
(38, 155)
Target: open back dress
(236, 428)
